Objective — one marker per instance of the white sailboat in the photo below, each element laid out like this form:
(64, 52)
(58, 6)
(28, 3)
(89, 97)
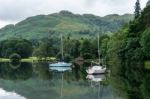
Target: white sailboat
(61, 65)
(97, 69)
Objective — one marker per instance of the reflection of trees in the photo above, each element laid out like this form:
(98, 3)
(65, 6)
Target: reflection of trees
(78, 73)
(42, 70)
(23, 72)
(15, 64)
(146, 87)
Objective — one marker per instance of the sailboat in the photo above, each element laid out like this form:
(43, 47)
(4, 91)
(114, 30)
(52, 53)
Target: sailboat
(96, 69)
(61, 65)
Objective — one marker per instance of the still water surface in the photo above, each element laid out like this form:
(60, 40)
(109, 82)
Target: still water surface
(39, 81)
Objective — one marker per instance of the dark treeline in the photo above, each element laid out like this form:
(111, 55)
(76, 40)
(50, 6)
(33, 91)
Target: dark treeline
(129, 50)
(73, 48)
(51, 47)
(19, 46)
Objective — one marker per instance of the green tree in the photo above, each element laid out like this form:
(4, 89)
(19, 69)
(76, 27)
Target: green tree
(75, 51)
(24, 49)
(146, 87)
(137, 9)
(86, 49)
(115, 53)
(45, 49)
(145, 42)
(20, 46)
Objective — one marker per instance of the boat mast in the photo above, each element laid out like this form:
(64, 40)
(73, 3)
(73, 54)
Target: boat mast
(62, 54)
(98, 49)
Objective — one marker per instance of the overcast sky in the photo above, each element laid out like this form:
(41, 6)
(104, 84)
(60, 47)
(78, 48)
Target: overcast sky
(13, 11)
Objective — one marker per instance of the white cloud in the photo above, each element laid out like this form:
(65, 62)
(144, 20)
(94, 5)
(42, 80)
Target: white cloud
(12, 11)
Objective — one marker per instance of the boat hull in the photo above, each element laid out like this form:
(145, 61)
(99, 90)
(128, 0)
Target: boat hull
(60, 66)
(95, 70)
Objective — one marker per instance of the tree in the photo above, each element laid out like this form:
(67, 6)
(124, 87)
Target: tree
(19, 46)
(86, 49)
(75, 51)
(145, 43)
(137, 9)
(45, 49)
(24, 49)
(148, 3)
(146, 87)
(115, 53)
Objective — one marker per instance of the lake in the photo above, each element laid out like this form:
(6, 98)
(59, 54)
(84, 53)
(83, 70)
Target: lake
(39, 81)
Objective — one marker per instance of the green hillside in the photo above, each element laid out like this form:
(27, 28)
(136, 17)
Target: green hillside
(64, 22)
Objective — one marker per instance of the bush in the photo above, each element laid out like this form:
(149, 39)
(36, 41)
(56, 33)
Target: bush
(15, 57)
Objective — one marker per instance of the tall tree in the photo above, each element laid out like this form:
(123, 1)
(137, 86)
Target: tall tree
(137, 9)
(148, 3)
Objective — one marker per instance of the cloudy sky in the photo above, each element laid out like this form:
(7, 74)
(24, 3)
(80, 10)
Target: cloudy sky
(13, 11)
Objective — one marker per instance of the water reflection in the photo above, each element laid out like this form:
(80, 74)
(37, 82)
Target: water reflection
(38, 81)
(15, 64)
(96, 78)
(42, 71)
(60, 69)
(22, 72)
(9, 95)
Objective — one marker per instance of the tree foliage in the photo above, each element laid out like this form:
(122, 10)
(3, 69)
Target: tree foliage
(137, 9)
(20, 46)
(127, 52)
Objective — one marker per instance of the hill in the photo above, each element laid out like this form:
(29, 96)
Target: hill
(65, 22)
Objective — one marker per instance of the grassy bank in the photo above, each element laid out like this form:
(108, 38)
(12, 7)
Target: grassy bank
(147, 64)
(4, 60)
(30, 59)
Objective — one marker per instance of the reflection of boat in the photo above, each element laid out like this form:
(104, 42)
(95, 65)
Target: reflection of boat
(96, 78)
(97, 69)
(60, 65)
(95, 82)
(60, 68)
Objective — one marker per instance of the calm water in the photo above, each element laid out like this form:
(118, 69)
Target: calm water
(38, 81)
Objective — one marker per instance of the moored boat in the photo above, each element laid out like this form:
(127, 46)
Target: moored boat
(96, 70)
